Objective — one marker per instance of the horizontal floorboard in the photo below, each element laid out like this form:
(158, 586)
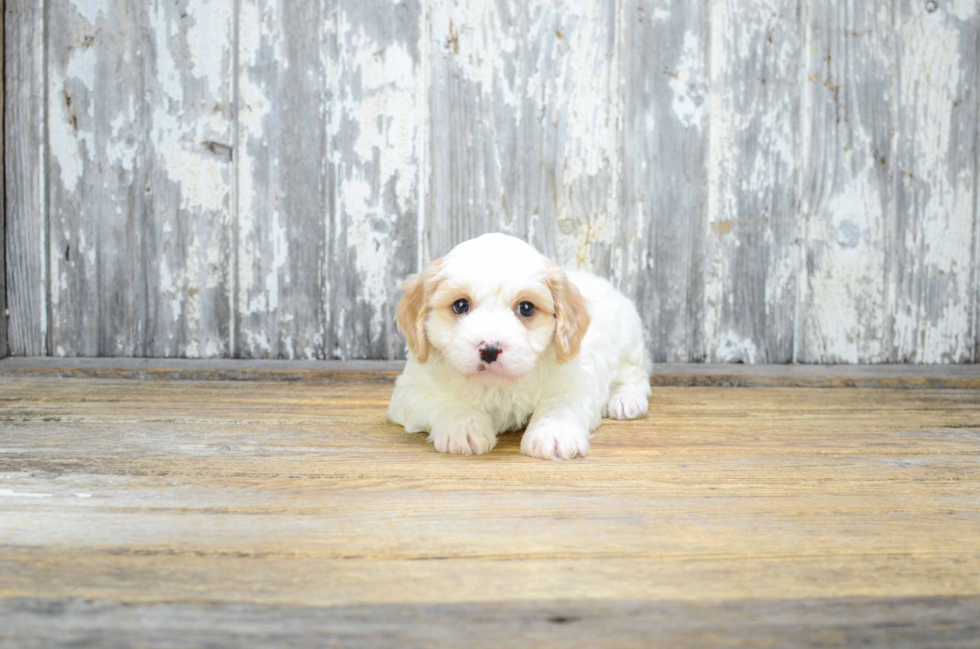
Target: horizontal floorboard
(865, 622)
(270, 513)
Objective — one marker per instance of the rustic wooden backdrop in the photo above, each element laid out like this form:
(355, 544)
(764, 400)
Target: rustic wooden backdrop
(772, 180)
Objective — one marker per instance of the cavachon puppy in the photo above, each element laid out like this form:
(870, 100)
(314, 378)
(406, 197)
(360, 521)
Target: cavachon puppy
(502, 338)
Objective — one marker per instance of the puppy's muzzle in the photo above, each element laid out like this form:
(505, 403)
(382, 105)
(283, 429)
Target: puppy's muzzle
(489, 353)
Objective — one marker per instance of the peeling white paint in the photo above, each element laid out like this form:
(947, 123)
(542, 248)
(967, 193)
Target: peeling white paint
(933, 329)
(65, 139)
(254, 110)
(575, 104)
(551, 70)
(168, 74)
(178, 139)
(370, 246)
(474, 34)
(169, 290)
(961, 9)
(383, 112)
(89, 9)
(209, 56)
(733, 348)
(280, 253)
(121, 150)
(848, 282)
(687, 83)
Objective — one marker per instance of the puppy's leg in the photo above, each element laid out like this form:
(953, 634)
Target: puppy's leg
(631, 392)
(453, 426)
(560, 429)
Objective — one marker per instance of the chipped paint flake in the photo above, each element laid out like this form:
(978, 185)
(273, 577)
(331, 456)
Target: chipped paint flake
(686, 82)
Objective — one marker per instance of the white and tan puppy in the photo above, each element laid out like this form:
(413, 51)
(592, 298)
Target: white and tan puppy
(502, 338)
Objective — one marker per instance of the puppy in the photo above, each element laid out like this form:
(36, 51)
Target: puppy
(502, 338)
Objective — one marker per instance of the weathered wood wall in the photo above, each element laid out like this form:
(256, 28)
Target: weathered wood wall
(772, 180)
(3, 246)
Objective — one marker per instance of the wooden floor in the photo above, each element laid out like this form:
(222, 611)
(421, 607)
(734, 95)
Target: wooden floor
(283, 513)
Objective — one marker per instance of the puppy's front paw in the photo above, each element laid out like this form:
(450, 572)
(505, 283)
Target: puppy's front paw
(471, 435)
(626, 405)
(555, 440)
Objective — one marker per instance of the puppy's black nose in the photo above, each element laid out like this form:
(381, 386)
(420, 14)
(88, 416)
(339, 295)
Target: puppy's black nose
(488, 353)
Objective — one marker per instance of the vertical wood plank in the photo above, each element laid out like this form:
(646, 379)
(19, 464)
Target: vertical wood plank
(936, 160)
(97, 287)
(26, 245)
(188, 137)
(847, 197)
(3, 230)
(665, 150)
(525, 126)
(751, 240)
(375, 142)
(479, 155)
(570, 127)
(284, 188)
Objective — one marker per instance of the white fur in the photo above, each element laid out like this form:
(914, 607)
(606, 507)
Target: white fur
(463, 408)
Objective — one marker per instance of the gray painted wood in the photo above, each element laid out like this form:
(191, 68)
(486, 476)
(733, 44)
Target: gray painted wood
(26, 258)
(3, 245)
(571, 131)
(751, 242)
(477, 90)
(932, 301)
(188, 132)
(95, 211)
(847, 194)
(284, 177)
(513, 158)
(665, 188)
(139, 178)
(375, 148)
(772, 181)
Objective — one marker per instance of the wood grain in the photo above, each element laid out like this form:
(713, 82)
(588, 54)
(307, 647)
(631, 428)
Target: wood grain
(838, 622)
(571, 130)
(3, 238)
(903, 376)
(94, 144)
(188, 134)
(139, 178)
(203, 503)
(751, 239)
(848, 195)
(936, 162)
(284, 178)
(24, 139)
(666, 133)
(477, 78)
(376, 144)
(772, 181)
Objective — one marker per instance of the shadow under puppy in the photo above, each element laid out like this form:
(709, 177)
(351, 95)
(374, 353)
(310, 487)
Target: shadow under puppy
(502, 338)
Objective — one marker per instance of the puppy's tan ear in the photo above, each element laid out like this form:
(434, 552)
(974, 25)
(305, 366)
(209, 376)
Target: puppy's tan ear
(571, 315)
(413, 309)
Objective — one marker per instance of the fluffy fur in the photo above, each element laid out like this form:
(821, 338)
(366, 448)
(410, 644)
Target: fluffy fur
(578, 357)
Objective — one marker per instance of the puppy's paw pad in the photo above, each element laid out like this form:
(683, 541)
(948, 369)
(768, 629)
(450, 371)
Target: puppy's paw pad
(466, 437)
(554, 441)
(626, 405)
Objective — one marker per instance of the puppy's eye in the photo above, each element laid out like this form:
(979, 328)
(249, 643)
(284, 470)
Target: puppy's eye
(526, 309)
(461, 306)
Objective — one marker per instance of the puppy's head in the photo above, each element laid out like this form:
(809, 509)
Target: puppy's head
(491, 308)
